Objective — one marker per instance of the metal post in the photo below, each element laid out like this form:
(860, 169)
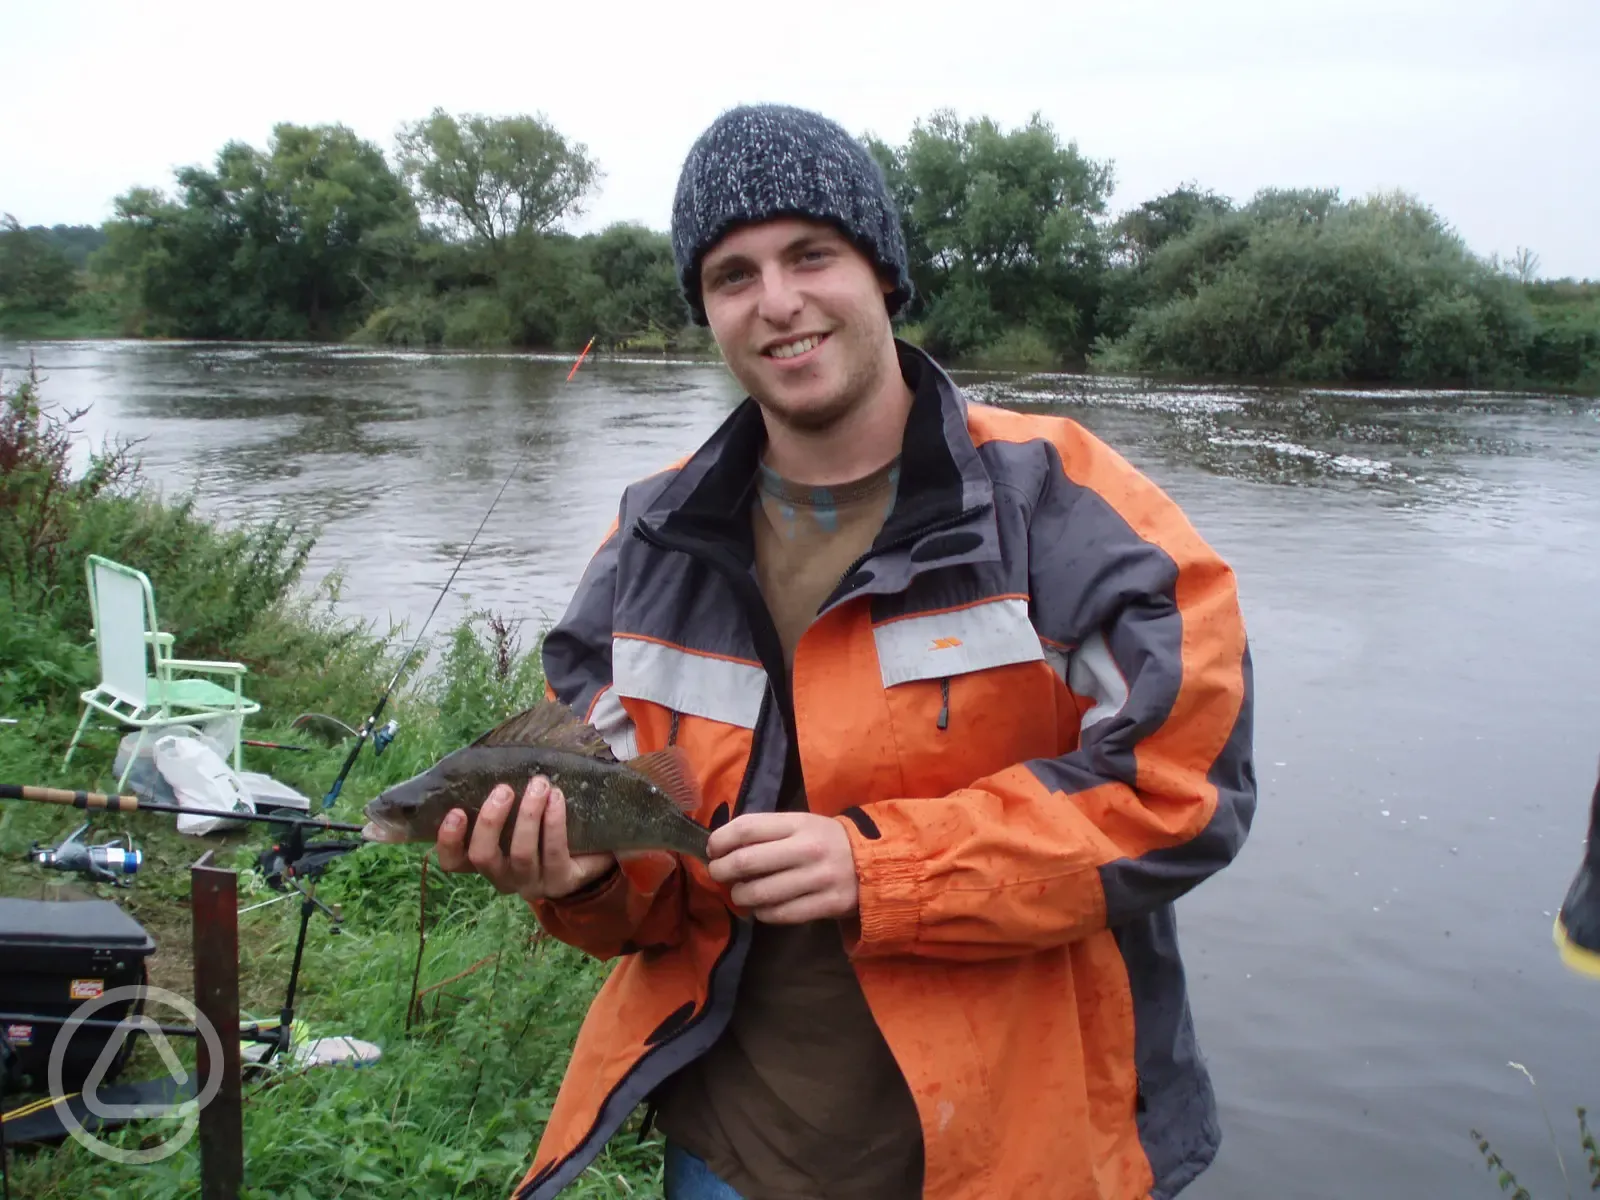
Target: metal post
(213, 900)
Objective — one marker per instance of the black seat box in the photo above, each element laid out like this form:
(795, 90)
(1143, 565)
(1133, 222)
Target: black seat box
(55, 955)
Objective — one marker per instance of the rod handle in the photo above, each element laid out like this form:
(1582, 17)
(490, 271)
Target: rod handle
(44, 795)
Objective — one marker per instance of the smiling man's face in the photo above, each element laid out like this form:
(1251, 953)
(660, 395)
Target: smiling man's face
(799, 315)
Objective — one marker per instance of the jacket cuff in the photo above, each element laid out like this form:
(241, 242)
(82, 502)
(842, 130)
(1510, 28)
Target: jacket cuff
(590, 896)
(889, 906)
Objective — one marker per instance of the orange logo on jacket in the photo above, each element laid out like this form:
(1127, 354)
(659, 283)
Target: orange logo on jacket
(945, 643)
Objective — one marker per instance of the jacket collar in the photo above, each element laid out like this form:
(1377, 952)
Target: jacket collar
(944, 507)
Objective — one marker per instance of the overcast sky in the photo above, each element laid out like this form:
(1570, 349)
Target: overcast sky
(1486, 109)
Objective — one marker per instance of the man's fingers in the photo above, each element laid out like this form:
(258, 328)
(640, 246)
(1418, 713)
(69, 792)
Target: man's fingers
(555, 829)
(793, 912)
(452, 842)
(780, 888)
(523, 856)
(762, 858)
(751, 828)
(484, 849)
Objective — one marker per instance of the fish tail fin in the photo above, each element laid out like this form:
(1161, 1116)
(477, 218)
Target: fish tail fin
(670, 771)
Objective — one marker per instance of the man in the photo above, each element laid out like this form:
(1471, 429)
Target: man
(969, 703)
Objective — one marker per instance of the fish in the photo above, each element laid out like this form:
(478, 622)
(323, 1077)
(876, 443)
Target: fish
(630, 808)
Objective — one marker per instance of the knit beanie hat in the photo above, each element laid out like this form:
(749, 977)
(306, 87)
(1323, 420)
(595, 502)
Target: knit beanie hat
(757, 162)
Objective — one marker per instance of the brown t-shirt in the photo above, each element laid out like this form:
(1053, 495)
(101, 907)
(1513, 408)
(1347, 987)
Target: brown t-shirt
(800, 1099)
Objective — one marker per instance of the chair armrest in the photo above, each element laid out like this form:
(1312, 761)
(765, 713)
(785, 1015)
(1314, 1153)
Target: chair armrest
(211, 668)
(160, 639)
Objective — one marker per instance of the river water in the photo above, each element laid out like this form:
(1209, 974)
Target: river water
(1421, 578)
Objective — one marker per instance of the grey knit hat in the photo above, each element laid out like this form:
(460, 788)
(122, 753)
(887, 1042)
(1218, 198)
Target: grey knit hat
(757, 162)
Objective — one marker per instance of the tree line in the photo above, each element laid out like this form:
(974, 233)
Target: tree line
(457, 238)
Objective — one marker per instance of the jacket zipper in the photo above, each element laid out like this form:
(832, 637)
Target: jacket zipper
(741, 586)
(906, 539)
(692, 1022)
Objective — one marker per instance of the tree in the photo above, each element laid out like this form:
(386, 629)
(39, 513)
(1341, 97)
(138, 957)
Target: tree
(338, 209)
(1523, 266)
(636, 285)
(287, 243)
(494, 178)
(1145, 229)
(1001, 228)
(34, 274)
(1300, 284)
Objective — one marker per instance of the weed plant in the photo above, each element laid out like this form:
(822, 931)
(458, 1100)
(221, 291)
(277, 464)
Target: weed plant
(455, 1104)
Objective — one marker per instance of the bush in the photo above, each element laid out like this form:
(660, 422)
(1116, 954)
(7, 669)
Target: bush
(1303, 286)
(412, 320)
(40, 500)
(1566, 346)
(1025, 347)
(228, 593)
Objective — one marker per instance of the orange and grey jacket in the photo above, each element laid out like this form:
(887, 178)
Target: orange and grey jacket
(1029, 705)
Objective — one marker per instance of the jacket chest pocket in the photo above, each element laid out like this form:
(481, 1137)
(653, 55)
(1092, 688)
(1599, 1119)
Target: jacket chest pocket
(970, 692)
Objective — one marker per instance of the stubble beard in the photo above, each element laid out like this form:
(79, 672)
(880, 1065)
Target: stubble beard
(863, 378)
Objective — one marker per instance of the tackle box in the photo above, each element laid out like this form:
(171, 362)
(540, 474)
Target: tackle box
(56, 956)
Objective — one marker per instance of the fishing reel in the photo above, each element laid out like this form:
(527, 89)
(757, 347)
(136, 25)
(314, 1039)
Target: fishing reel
(382, 738)
(291, 859)
(103, 863)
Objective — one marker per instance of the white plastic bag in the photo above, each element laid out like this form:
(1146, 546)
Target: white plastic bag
(144, 780)
(201, 778)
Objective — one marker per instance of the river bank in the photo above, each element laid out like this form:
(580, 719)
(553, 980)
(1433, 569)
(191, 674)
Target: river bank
(1013, 354)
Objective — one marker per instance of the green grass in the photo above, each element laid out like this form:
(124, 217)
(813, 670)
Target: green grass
(455, 1105)
(457, 1102)
(89, 314)
(1588, 1157)
(1017, 349)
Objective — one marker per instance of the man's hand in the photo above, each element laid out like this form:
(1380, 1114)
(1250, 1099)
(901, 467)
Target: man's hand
(560, 874)
(786, 868)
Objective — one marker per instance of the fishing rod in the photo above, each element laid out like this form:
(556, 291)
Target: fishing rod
(290, 859)
(293, 857)
(112, 802)
(372, 718)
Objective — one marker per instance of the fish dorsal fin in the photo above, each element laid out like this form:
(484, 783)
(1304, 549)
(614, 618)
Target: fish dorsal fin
(670, 771)
(550, 724)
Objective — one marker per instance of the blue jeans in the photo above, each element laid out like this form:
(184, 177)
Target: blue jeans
(688, 1178)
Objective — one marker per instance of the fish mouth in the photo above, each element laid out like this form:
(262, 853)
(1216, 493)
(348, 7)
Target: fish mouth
(382, 831)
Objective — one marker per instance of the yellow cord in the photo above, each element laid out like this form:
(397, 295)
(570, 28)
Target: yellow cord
(27, 1110)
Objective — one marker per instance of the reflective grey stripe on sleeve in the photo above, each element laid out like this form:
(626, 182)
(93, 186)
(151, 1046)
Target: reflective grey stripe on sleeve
(718, 689)
(994, 633)
(1090, 671)
(613, 723)
(1059, 658)
(1094, 674)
